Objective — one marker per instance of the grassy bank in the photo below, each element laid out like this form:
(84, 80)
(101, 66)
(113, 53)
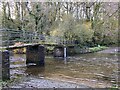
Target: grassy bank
(83, 50)
(96, 49)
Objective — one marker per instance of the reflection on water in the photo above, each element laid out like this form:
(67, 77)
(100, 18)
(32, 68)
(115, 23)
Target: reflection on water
(97, 67)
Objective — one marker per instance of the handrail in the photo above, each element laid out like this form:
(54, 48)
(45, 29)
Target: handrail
(11, 36)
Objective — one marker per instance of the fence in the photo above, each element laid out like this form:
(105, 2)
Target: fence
(11, 36)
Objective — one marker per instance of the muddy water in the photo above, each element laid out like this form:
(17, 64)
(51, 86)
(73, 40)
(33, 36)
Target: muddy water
(97, 70)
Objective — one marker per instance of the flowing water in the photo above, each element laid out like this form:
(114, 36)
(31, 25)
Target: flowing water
(97, 70)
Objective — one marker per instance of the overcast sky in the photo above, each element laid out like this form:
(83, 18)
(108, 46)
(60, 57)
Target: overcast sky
(60, 0)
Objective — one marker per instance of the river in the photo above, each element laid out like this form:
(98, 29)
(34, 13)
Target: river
(93, 70)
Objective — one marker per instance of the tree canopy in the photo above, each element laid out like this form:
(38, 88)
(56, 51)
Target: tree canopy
(88, 22)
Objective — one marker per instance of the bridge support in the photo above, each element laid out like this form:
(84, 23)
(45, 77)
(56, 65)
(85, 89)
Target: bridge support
(60, 51)
(4, 65)
(35, 55)
(64, 51)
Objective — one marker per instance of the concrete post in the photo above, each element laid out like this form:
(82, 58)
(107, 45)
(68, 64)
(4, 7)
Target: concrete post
(65, 55)
(4, 65)
(65, 52)
(35, 55)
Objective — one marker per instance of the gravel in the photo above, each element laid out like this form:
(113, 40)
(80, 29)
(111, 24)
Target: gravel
(45, 83)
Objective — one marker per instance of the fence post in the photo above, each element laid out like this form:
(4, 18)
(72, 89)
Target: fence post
(0, 65)
(4, 65)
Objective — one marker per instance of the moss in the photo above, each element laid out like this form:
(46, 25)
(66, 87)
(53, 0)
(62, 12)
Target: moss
(2, 49)
(19, 51)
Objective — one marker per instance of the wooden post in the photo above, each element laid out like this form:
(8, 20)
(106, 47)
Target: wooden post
(0, 65)
(4, 65)
(35, 55)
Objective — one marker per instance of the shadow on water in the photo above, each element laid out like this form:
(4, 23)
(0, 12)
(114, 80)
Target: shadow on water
(84, 68)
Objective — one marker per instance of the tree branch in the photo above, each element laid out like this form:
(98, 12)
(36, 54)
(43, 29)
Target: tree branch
(30, 12)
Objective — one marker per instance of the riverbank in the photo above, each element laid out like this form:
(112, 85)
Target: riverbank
(72, 51)
(111, 50)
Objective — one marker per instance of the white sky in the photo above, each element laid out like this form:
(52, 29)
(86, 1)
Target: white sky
(60, 0)
(12, 1)
(0, 6)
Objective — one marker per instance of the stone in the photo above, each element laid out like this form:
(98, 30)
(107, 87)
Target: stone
(35, 54)
(58, 51)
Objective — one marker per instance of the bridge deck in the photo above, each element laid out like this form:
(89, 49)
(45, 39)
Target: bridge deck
(31, 44)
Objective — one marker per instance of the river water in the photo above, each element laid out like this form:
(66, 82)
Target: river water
(96, 70)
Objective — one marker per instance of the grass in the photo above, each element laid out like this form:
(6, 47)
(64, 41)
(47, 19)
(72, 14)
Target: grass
(99, 48)
(114, 88)
(2, 83)
(83, 50)
(2, 49)
(6, 83)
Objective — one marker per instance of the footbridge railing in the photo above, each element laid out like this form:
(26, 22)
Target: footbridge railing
(9, 37)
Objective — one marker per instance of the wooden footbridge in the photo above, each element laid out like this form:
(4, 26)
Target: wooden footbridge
(35, 47)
